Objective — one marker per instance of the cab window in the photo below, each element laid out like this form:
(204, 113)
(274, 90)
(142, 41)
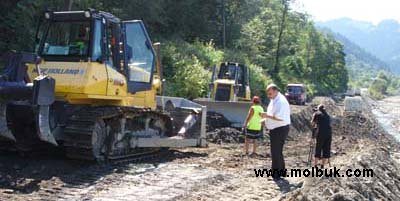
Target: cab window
(97, 41)
(140, 56)
(67, 39)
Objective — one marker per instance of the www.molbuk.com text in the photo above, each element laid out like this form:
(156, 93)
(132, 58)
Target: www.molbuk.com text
(315, 172)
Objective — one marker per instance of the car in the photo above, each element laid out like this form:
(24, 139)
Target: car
(296, 94)
(353, 92)
(357, 92)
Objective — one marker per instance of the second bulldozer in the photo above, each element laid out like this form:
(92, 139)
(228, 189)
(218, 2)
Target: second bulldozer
(229, 92)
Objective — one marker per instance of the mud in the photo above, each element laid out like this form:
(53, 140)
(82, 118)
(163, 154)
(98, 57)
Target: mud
(219, 172)
(220, 132)
(225, 135)
(215, 121)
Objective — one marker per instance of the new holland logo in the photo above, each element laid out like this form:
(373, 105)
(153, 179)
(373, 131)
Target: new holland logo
(63, 71)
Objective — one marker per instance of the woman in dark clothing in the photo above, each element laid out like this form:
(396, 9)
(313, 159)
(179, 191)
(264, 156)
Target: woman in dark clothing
(322, 122)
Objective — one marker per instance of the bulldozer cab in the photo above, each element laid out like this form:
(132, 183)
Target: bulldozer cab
(231, 71)
(231, 83)
(86, 36)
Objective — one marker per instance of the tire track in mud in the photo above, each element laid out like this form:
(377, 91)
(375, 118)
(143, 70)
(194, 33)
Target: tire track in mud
(77, 188)
(74, 184)
(53, 178)
(166, 182)
(60, 179)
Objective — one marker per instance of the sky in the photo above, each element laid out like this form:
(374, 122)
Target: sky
(364, 10)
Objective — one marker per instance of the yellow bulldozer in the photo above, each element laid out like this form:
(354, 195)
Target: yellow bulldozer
(92, 89)
(229, 92)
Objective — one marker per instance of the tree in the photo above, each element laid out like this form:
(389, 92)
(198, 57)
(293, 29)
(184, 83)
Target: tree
(378, 88)
(282, 44)
(280, 35)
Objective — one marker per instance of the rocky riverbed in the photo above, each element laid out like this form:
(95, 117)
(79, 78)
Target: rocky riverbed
(387, 111)
(221, 171)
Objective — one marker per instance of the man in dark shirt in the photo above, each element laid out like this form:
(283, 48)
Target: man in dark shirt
(322, 122)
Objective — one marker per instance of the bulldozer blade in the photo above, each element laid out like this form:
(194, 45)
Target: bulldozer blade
(4, 131)
(235, 112)
(189, 121)
(43, 125)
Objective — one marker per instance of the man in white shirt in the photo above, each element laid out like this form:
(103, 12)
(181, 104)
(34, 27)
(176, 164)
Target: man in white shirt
(278, 122)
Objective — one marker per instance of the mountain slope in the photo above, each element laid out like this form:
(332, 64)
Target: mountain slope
(381, 40)
(362, 65)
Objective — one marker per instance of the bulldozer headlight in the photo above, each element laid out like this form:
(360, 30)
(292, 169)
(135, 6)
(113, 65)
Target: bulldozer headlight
(87, 14)
(47, 15)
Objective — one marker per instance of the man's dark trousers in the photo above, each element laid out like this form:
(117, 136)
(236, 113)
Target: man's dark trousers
(278, 137)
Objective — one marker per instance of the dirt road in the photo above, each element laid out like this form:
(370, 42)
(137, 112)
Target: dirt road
(219, 172)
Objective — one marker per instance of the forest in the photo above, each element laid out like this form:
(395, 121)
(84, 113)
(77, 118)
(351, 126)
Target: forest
(277, 43)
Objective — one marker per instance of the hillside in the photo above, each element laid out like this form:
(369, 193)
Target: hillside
(381, 40)
(356, 54)
(362, 65)
(278, 44)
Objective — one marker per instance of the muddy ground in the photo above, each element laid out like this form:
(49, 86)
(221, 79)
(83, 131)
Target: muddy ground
(219, 172)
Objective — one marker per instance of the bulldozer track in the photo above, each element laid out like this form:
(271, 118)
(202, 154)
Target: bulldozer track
(79, 141)
(85, 139)
(149, 154)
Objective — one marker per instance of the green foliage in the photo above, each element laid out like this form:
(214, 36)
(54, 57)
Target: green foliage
(190, 79)
(379, 39)
(306, 55)
(258, 81)
(394, 87)
(363, 67)
(382, 75)
(252, 27)
(184, 67)
(384, 84)
(378, 88)
(393, 82)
